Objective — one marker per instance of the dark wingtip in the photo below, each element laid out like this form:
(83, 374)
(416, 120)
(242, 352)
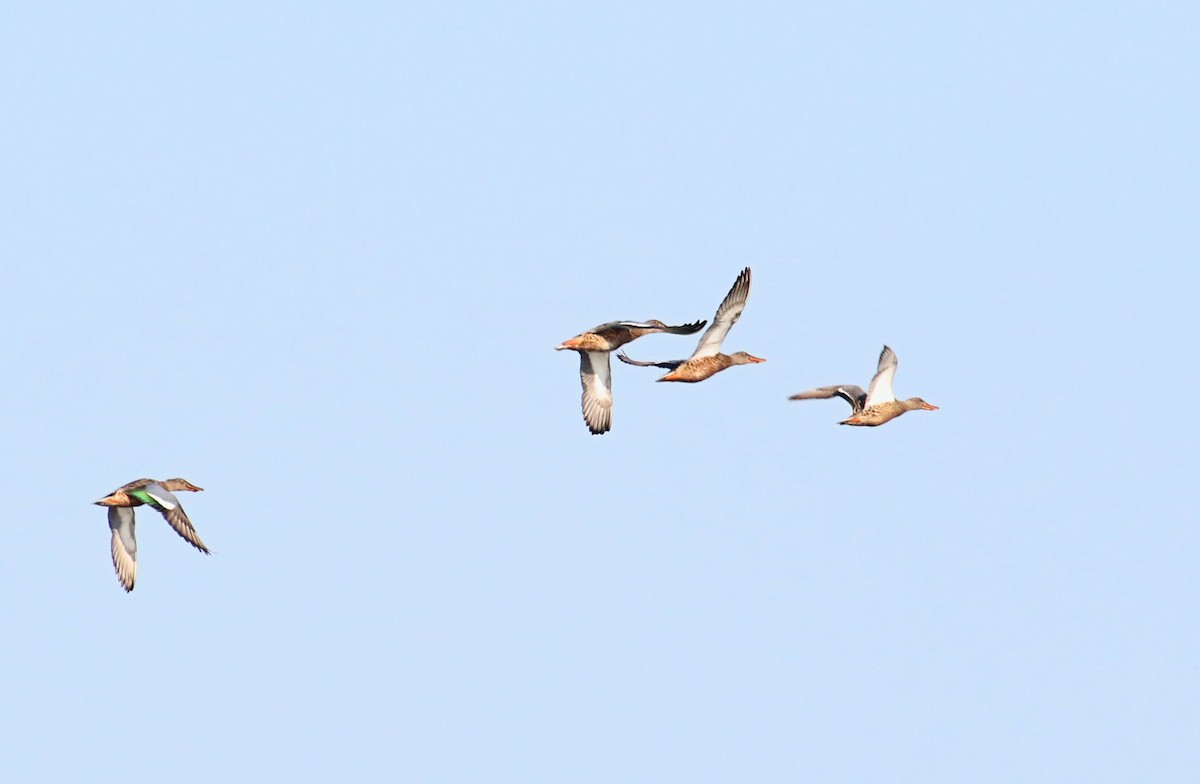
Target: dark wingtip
(687, 329)
(199, 546)
(604, 427)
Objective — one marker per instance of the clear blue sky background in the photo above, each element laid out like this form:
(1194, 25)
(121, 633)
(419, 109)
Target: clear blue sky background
(315, 259)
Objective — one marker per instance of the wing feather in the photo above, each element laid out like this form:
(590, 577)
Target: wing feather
(727, 315)
(669, 364)
(124, 545)
(880, 390)
(851, 393)
(596, 377)
(165, 502)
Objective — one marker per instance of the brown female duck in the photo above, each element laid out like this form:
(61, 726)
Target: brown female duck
(595, 373)
(707, 359)
(875, 406)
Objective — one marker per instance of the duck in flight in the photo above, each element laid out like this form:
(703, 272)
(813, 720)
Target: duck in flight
(878, 404)
(707, 359)
(158, 496)
(595, 372)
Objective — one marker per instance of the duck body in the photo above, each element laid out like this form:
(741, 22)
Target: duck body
(142, 491)
(878, 414)
(699, 368)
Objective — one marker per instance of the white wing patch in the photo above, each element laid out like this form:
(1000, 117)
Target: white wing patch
(727, 315)
(880, 390)
(596, 377)
(163, 498)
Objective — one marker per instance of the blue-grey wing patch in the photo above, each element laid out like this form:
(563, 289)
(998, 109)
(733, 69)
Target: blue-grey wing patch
(166, 502)
(161, 498)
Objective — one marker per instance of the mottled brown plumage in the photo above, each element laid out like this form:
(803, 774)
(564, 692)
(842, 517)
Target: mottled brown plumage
(700, 368)
(873, 416)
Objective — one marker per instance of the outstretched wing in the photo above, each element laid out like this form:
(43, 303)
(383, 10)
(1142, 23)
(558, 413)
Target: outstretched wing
(669, 365)
(124, 545)
(851, 393)
(596, 377)
(682, 329)
(880, 390)
(727, 315)
(621, 325)
(165, 501)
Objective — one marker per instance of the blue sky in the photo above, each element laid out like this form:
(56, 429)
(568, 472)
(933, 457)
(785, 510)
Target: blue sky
(316, 260)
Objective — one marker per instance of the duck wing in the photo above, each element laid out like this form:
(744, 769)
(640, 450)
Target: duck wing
(124, 545)
(851, 393)
(165, 502)
(687, 329)
(727, 315)
(595, 375)
(669, 364)
(880, 390)
(682, 329)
